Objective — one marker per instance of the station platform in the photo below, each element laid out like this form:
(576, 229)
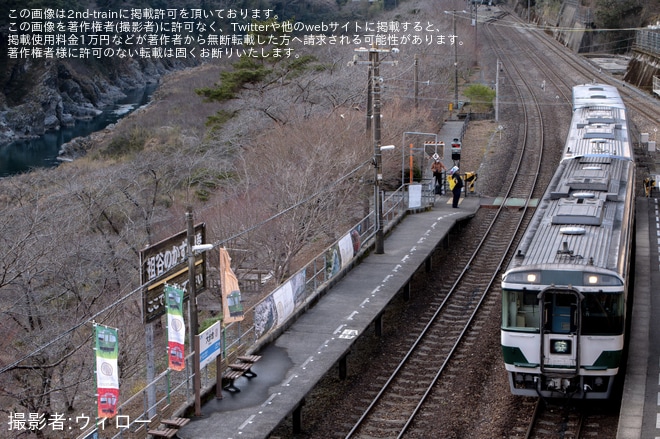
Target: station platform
(640, 404)
(320, 339)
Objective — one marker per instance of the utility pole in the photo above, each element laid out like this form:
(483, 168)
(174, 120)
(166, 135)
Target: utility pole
(194, 341)
(476, 20)
(453, 19)
(369, 95)
(380, 248)
(416, 78)
(497, 90)
(373, 105)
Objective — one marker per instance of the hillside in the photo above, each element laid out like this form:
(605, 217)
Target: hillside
(47, 91)
(292, 139)
(39, 94)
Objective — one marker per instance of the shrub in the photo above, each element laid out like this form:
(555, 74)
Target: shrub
(481, 97)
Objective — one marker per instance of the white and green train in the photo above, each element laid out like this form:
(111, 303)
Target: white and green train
(565, 292)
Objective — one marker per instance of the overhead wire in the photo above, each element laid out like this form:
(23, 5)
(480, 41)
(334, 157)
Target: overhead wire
(126, 297)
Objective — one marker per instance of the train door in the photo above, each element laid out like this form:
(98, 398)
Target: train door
(560, 330)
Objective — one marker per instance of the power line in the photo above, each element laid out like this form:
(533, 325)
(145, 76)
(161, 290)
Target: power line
(91, 319)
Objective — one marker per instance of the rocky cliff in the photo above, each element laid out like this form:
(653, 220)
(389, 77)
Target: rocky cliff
(37, 96)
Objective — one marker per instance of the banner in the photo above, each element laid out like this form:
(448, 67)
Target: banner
(176, 328)
(341, 253)
(278, 306)
(107, 373)
(232, 308)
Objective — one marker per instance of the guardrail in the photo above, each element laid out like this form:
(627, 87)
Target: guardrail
(647, 40)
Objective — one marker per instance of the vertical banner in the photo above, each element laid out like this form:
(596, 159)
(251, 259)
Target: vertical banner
(107, 373)
(232, 308)
(176, 329)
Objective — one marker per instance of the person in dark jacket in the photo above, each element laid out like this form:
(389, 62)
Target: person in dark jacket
(437, 167)
(455, 184)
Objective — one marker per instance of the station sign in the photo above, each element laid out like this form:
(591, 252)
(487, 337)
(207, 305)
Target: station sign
(167, 262)
(209, 345)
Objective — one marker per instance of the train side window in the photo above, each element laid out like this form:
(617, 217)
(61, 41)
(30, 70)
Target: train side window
(520, 310)
(602, 313)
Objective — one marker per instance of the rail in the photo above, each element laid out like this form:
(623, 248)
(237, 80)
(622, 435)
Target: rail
(427, 358)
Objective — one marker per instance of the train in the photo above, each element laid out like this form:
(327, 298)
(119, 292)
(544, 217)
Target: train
(565, 291)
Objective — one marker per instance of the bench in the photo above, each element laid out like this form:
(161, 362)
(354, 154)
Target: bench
(229, 377)
(243, 367)
(249, 360)
(246, 368)
(175, 422)
(166, 432)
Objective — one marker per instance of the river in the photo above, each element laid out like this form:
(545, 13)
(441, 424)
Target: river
(41, 152)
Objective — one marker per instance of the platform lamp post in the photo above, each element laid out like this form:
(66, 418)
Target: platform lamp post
(194, 326)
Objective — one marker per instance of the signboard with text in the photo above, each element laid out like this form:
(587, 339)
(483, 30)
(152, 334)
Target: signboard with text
(167, 262)
(209, 345)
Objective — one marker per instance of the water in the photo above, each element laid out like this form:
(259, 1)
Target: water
(24, 155)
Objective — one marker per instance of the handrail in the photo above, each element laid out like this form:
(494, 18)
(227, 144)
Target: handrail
(240, 338)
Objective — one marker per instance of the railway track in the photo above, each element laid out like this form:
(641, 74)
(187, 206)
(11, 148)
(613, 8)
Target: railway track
(453, 392)
(571, 419)
(415, 382)
(555, 421)
(645, 108)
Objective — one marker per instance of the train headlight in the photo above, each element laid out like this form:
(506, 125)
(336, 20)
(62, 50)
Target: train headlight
(523, 277)
(591, 279)
(560, 346)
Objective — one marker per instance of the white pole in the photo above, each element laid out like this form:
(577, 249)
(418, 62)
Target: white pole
(497, 91)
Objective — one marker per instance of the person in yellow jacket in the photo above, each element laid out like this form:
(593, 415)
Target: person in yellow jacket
(455, 185)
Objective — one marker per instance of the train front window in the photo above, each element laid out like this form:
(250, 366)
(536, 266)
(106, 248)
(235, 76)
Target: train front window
(602, 313)
(520, 310)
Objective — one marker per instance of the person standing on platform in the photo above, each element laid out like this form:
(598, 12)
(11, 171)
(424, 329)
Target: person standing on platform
(437, 167)
(455, 185)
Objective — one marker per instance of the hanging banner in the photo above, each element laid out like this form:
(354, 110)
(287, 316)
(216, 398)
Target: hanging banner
(232, 308)
(107, 372)
(176, 328)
